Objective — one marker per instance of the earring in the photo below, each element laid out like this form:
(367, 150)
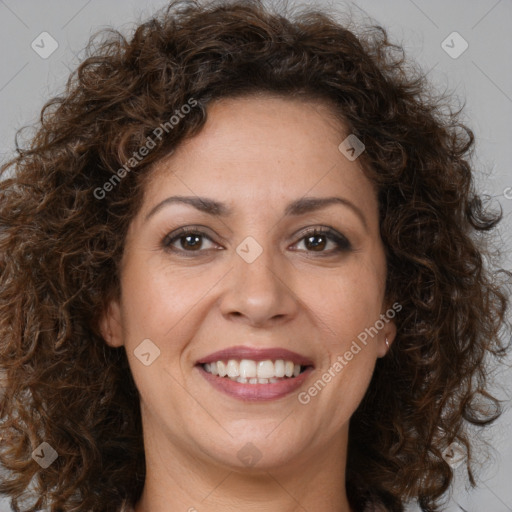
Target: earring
(387, 343)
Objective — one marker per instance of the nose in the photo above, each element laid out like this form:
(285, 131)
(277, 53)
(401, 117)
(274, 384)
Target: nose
(259, 293)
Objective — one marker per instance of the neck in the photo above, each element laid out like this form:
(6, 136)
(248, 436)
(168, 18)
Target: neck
(176, 481)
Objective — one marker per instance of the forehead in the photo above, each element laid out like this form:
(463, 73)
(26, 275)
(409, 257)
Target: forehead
(263, 151)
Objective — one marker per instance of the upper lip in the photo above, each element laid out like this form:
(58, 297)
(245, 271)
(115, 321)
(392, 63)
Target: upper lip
(256, 354)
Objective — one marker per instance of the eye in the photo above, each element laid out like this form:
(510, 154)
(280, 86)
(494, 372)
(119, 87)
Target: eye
(317, 239)
(191, 239)
(188, 239)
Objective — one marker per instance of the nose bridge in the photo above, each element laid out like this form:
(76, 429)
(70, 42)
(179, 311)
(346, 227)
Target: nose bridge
(257, 289)
(255, 262)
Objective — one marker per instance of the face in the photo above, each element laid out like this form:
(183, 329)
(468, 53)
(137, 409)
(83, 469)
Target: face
(269, 272)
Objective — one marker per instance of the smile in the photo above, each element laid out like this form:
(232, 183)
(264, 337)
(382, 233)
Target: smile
(261, 390)
(248, 371)
(255, 374)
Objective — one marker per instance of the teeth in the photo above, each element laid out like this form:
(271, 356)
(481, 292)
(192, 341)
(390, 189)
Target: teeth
(254, 372)
(279, 368)
(232, 368)
(247, 368)
(265, 369)
(221, 367)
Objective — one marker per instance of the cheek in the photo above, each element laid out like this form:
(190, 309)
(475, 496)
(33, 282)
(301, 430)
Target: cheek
(353, 305)
(166, 306)
(354, 308)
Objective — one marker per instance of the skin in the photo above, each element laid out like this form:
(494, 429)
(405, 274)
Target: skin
(256, 154)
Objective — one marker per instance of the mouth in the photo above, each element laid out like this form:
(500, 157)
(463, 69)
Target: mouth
(248, 371)
(251, 374)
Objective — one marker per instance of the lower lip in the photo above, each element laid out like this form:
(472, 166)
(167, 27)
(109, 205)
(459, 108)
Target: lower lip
(255, 392)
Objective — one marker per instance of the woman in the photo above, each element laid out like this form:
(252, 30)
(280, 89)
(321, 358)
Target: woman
(234, 237)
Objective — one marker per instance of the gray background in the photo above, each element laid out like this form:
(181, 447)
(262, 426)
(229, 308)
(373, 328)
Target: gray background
(482, 76)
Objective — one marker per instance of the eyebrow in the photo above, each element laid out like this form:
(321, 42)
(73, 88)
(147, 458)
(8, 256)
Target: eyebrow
(295, 208)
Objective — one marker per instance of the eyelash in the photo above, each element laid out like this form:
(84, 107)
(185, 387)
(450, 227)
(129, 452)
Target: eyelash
(343, 245)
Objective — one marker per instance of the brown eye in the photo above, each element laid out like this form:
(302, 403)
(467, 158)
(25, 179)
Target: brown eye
(186, 240)
(315, 244)
(318, 239)
(190, 241)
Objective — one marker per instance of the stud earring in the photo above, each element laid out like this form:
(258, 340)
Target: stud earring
(387, 343)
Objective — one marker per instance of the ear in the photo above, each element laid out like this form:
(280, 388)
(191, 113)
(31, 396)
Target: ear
(389, 331)
(111, 326)
(389, 334)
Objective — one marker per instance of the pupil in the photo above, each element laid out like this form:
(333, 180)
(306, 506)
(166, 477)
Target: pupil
(317, 244)
(189, 237)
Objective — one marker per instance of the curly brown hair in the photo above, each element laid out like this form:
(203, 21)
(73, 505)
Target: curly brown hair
(62, 238)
